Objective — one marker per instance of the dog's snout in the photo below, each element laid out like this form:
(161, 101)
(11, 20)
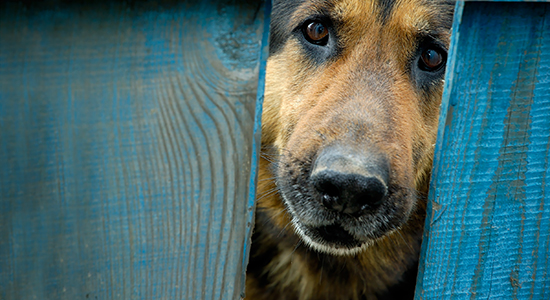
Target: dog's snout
(349, 182)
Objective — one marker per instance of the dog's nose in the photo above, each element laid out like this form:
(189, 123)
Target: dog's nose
(349, 193)
(350, 182)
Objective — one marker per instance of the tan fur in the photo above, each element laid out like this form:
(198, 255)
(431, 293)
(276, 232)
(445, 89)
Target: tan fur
(308, 105)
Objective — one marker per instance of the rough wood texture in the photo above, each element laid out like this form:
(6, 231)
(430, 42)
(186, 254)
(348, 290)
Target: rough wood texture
(126, 142)
(489, 210)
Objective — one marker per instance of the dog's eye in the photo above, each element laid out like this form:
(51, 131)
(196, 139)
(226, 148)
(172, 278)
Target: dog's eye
(431, 59)
(316, 33)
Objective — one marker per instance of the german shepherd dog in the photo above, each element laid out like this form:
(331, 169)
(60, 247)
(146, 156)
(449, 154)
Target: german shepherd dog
(353, 90)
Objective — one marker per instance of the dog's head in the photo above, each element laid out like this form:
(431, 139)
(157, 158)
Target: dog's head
(352, 98)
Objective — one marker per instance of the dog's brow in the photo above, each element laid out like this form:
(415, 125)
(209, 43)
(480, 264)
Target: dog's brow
(311, 9)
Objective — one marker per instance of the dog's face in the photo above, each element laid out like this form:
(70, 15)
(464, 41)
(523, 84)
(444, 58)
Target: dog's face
(352, 98)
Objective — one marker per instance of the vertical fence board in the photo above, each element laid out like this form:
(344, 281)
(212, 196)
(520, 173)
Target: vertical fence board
(126, 142)
(488, 224)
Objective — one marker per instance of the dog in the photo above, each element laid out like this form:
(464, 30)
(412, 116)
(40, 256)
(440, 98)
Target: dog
(352, 96)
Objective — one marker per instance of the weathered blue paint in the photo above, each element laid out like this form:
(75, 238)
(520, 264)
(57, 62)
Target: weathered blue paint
(488, 218)
(126, 142)
(256, 141)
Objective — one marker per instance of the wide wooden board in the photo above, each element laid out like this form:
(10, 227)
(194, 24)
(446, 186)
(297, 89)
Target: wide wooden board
(127, 146)
(488, 225)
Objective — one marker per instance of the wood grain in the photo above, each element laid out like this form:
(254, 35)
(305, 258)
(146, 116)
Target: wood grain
(127, 132)
(488, 225)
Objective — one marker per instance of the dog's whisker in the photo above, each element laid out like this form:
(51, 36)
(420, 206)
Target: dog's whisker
(267, 193)
(266, 179)
(268, 158)
(405, 242)
(300, 242)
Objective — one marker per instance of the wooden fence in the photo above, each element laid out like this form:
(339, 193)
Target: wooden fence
(488, 227)
(129, 133)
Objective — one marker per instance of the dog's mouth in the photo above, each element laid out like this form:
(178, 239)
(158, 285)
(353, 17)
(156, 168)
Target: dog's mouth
(346, 235)
(335, 235)
(340, 233)
(333, 239)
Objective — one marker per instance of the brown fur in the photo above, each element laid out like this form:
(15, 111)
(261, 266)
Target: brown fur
(366, 96)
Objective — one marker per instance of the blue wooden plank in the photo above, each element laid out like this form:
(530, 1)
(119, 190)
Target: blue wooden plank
(489, 211)
(126, 142)
(256, 144)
